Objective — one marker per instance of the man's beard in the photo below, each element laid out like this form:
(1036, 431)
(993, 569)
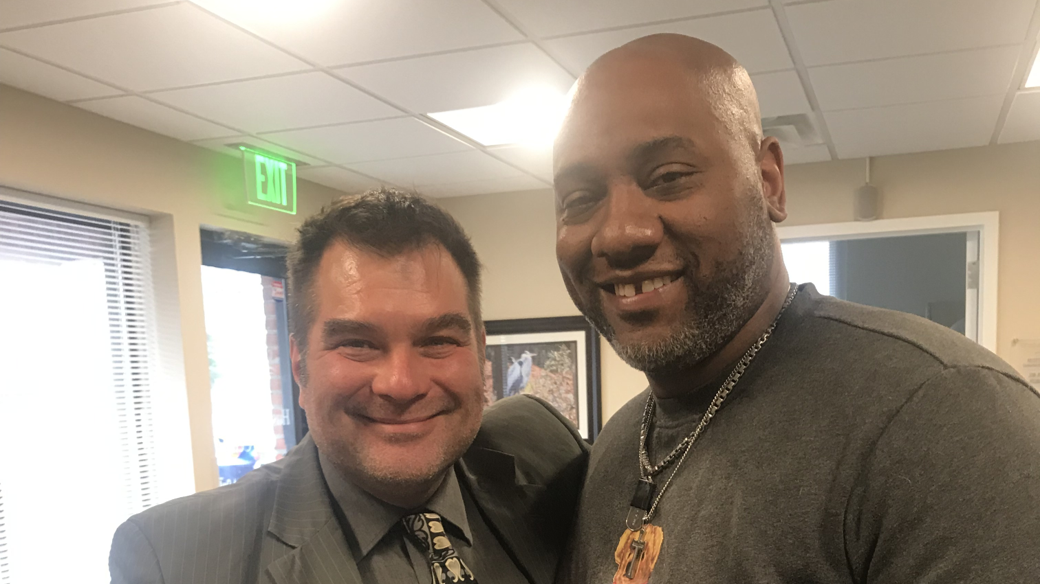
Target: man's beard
(716, 309)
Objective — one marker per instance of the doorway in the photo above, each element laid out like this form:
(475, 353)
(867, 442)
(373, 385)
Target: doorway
(254, 398)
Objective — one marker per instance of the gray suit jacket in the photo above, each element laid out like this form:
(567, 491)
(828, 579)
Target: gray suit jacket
(278, 524)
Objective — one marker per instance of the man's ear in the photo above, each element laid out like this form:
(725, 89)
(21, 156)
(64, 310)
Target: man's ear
(298, 366)
(771, 170)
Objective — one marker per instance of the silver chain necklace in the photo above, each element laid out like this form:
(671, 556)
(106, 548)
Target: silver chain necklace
(648, 471)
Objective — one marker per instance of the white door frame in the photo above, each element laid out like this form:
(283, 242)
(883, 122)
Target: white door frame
(987, 224)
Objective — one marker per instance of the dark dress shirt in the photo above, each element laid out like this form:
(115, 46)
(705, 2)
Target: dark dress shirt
(386, 554)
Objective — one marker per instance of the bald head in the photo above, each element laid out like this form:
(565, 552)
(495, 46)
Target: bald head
(703, 75)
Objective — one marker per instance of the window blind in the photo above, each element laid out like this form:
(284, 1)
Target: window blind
(77, 341)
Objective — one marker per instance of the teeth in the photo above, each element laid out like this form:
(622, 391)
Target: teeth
(627, 290)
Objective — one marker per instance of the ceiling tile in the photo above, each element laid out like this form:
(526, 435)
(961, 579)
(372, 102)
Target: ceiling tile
(914, 79)
(280, 103)
(552, 17)
(363, 141)
(154, 49)
(18, 13)
(483, 187)
(804, 154)
(1023, 121)
(47, 80)
(338, 178)
(900, 129)
(840, 32)
(780, 94)
(438, 169)
(461, 80)
(152, 116)
(342, 33)
(229, 145)
(752, 37)
(537, 161)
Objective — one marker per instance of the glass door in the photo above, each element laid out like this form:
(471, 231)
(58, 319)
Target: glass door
(255, 418)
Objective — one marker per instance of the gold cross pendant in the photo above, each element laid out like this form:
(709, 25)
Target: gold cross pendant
(637, 553)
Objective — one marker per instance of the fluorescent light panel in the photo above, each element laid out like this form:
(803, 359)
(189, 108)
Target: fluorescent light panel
(531, 118)
(1034, 74)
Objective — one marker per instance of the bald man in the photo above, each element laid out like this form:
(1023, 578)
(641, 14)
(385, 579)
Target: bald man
(785, 436)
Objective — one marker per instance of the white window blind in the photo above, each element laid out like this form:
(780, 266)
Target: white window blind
(77, 340)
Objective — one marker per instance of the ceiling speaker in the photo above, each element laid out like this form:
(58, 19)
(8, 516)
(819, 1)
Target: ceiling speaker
(866, 203)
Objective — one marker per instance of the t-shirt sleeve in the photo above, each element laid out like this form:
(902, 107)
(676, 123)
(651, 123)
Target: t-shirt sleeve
(951, 492)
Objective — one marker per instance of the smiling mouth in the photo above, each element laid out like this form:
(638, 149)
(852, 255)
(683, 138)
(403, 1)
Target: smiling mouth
(398, 422)
(630, 289)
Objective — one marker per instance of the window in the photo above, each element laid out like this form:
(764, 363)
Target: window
(811, 261)
(933, 273)
(77, 340)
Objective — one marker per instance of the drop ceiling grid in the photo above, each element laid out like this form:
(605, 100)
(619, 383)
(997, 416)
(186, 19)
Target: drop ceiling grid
(835, 61)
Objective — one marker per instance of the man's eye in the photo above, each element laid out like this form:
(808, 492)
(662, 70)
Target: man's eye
(670, 175)
(356, 344)
(442, 342)
(578, 202)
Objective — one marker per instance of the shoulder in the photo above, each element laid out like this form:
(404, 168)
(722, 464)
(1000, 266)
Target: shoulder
(244, 501)
(911, 335)
(528, 428)
(210, 528)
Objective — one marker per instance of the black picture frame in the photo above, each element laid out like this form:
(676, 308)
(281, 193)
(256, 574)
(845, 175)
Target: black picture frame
(506, 338)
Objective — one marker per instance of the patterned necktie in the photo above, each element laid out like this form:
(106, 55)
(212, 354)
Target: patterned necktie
(445, 565)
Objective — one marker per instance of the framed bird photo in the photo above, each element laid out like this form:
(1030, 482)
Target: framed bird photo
(556, 359)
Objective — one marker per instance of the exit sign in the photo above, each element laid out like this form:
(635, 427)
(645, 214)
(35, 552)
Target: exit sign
(270, 182)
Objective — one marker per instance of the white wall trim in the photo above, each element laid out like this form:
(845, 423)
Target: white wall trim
(987, 224)
(68, 206)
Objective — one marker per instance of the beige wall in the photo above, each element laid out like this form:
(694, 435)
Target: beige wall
(515, 233)
(58, 150)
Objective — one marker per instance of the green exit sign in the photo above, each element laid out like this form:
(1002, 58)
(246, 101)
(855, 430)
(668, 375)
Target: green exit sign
(270, 182)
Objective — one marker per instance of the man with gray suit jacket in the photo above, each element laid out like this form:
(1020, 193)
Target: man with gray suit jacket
(399, 480)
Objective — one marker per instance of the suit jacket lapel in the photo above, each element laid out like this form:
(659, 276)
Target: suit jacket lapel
(510, 508)
(324, 559)
(304, 519)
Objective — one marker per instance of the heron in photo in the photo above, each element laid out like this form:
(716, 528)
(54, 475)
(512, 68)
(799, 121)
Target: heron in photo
(518, 375)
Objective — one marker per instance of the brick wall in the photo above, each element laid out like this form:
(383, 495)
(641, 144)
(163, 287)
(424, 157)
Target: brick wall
(274, 360)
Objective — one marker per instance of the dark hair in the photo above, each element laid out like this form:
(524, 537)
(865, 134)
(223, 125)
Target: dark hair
(384, 221)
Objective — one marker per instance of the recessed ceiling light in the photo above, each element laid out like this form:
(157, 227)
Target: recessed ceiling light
(1034, 75)
(532, 118)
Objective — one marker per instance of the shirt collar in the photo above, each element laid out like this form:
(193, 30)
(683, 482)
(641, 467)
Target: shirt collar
(371, 518)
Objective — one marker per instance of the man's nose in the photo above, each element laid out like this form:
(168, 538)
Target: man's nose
(401, 377)
(631, 229)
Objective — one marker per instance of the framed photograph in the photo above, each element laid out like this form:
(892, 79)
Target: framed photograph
(556, 359)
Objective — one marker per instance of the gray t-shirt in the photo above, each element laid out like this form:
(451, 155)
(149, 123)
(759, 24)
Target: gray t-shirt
(861, 445)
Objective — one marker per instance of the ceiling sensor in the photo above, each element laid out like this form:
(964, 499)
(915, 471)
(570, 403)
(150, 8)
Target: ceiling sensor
(795, 130)
(238, 146)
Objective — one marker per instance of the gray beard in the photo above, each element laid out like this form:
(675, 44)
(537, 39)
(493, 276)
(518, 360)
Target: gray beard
(716, 309)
